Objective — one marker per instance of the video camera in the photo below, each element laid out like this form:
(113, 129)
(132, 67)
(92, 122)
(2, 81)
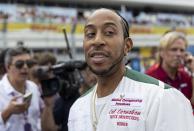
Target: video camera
(64, 78)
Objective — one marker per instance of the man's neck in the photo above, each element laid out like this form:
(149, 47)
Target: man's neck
(107, 85)
(171, 72)
(17, 85)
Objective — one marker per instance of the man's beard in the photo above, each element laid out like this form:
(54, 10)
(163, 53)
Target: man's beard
(107, 72)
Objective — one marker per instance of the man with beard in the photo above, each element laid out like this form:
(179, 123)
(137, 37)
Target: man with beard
(123, 99)
(172, 60)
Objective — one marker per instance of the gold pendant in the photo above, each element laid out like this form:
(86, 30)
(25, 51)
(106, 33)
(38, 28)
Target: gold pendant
(122, 96)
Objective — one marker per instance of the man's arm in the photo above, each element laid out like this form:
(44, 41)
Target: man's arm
(47, 119)
(13, 108)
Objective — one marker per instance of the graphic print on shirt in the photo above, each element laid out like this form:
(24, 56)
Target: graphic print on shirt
(125, 109)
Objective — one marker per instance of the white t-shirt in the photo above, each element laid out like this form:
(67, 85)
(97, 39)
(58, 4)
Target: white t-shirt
(139, 103)
(17, 121)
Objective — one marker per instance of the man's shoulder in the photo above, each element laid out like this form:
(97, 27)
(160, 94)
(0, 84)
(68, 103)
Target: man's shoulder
(144, 78)
(153, 70)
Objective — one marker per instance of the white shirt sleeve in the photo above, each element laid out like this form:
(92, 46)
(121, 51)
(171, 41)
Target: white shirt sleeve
(171, 111)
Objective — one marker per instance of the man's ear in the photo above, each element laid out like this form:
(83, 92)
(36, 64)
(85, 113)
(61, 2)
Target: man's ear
(128, 45)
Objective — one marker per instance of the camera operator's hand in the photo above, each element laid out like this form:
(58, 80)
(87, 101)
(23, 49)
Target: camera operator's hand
(189, 61)
(14, 107)
(47, 114)
(49, 101)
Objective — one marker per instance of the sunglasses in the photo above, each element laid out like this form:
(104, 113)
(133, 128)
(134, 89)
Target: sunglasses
(20, 63)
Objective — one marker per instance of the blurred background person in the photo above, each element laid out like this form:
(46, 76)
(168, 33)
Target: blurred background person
(32, 76)
(15, 113)
(39, 60)
(171, 64)
(2, 63)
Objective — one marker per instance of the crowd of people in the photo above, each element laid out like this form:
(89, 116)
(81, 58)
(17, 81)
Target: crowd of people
(20, 77)
(110, 96)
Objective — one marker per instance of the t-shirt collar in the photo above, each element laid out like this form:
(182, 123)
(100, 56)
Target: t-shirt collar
(9, 89)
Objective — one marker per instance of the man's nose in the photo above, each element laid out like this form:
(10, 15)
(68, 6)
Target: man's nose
(179, 52)
(25, 65)
(99, 39)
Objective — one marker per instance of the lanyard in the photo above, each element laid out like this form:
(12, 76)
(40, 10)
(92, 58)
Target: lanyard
(27, 125)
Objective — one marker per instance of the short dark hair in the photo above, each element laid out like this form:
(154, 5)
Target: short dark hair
(14, 52)
(44, 58)
(124, 23)
(2, 62)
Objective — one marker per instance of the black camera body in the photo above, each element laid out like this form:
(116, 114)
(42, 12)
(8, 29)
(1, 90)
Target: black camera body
(64, 78)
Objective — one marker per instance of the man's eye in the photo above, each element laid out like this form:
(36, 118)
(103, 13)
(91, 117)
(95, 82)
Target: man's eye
(90, 35)
(173, 49)
(109, 33)
(182, 50)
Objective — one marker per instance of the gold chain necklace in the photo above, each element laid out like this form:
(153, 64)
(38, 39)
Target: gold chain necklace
(93, 109)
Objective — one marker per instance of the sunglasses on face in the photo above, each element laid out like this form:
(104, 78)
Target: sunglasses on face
(20, 63)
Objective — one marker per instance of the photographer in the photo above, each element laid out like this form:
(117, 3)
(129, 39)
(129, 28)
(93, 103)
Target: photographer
(62, 106)
(40, 59)
(61, 84)
(44, 59)
(172, 62)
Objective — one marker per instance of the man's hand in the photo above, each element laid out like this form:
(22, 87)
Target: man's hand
(18, 107)
(49, 101)
(14, 107)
